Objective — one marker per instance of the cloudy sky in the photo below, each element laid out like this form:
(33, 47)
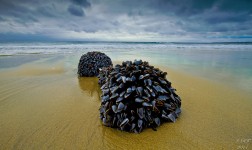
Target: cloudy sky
(127, 20)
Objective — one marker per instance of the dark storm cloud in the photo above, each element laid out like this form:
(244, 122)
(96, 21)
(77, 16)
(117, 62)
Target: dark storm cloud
(236, 5)
(234, 10)
(196, 15)
(76, 10)
(158, 19)
(83, 3)
(181, 7)
(9, 8)
(22, 8)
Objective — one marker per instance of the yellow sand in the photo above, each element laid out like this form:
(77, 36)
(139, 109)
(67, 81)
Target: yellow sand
(53, 109)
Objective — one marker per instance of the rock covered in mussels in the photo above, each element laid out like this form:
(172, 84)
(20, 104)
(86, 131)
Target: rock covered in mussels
(136, 95)
(103, 73)
(91, 62)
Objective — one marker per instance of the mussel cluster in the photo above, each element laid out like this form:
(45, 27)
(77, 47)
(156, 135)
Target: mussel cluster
(136, 95)
(103, 73)
(91, 62)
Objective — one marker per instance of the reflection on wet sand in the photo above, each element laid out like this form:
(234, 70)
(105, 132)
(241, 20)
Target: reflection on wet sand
(89, 85)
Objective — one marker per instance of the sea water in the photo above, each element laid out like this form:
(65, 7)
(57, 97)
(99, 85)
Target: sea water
(230, 63)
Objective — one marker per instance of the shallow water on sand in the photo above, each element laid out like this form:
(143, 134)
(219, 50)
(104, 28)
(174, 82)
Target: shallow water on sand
(229, 63)
(43, 105)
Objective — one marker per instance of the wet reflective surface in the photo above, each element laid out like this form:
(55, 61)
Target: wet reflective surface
(89, 85)
(54, 109)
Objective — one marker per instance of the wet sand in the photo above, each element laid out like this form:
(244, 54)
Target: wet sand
(45, 106)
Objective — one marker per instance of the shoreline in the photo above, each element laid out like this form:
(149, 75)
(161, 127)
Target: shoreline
(212, 74)
(55, 109)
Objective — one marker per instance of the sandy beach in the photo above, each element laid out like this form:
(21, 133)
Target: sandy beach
(44, 105)
(204, 46)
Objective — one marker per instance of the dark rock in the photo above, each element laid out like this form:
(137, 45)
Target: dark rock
(132, 106)
(91, 62)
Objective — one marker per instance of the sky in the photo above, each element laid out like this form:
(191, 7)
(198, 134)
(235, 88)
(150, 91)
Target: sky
(127, 20)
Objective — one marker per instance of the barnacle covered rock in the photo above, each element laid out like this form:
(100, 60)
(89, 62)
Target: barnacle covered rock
(91, 62)
(136, 95)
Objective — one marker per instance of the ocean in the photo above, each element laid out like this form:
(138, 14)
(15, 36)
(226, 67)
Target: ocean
(230, 63)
